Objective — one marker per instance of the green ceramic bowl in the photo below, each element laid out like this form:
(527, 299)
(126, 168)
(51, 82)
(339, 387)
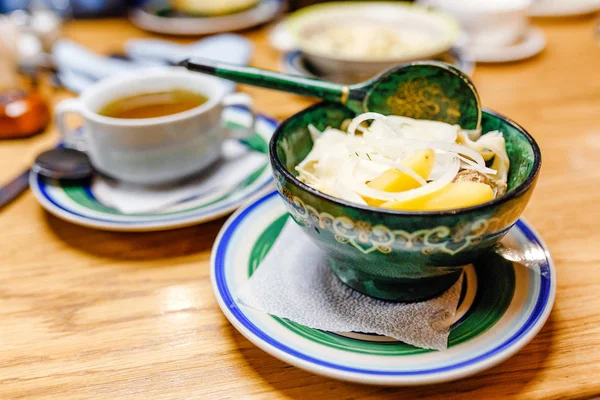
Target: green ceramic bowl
(395, 255)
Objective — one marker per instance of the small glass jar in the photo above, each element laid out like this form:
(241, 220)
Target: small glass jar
(22, 113)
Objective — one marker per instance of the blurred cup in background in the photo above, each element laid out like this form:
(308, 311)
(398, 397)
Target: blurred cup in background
(488, 22)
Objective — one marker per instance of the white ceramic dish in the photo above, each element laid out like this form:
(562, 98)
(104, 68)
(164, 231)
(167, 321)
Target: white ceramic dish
(440, 29)
(294, 62)
(563, 8)
(78, 204)
(487, 23)
(148, 17)
(532, 43)
(213, 7)
(502, 310)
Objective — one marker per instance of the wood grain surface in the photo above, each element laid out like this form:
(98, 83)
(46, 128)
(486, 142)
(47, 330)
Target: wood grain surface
(89, 314)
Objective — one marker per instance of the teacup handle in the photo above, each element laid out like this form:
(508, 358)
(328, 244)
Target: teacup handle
(244, 101)
(68, 136)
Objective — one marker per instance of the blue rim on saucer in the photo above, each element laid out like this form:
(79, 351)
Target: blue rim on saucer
(77, 203)
(502, 307)
(293, 62)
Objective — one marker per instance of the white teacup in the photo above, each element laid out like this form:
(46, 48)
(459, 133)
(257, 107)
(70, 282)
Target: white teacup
(488, 23)
(152, 151)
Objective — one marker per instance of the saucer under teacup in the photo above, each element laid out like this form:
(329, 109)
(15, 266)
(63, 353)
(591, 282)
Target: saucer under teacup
(159, 17)
(561, 8)
(77, 202)
(294, 62)
(531, 44)
(503, 306)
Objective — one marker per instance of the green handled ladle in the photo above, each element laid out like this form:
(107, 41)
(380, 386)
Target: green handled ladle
(422, 90)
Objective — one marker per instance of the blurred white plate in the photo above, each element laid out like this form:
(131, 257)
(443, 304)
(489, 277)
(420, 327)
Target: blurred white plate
(563, 8)
(175, 23)
(280, 37)
(294, 62)
(533, 43)
(79, 203)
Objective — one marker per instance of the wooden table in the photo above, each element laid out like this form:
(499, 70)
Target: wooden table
(90, 314)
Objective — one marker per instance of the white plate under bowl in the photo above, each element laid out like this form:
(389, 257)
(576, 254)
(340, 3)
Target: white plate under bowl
(146, 18)
(503, 307)
(76, 202)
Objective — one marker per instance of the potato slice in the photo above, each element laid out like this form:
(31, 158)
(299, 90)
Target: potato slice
(417, 204)
(452, 196)
(394, 180)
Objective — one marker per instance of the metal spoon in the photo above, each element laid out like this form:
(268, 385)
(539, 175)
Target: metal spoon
(63, 163)
(58, 163)
(528, 257)
(423, 89)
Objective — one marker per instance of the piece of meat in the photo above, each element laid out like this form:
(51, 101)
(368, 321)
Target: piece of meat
(499, 188)
(470, 175)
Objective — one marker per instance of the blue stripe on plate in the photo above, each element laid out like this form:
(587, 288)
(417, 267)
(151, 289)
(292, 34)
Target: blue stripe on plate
(228, 300)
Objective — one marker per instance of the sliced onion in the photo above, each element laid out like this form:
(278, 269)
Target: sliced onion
(475, 145)
(487, 142)
(368, 170)
(361, 129)
(362, 118)
(477, 167)
(401, 168)
(314, 132)
(501, 160)
(443, 160)
(348, 194)
(305, 174)
(472, 134)
(347, 178)
(341, 164)
(310, 157)
(420, 144)
(423, 129)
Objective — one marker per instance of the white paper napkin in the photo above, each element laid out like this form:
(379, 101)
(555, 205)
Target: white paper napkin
(227, 48)
(236, 164)
(78, 67)
(294, 282)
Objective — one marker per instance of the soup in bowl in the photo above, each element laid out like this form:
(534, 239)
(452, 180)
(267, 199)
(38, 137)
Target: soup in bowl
(393, 254)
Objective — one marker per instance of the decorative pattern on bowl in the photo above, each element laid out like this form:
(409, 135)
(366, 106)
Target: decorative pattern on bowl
(366, 238)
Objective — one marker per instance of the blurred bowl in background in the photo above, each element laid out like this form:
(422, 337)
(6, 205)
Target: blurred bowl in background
(294, 62)
(212, 7)
(159, 16)
(367, 38)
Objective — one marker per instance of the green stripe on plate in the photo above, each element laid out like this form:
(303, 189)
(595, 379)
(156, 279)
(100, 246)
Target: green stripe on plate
(495, 290)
